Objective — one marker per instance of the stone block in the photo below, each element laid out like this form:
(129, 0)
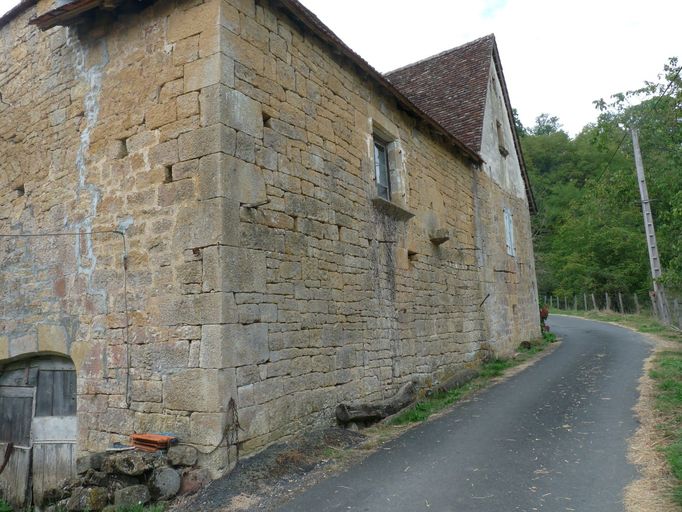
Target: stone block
(211, 222)
(222, 175)
(188, 104)
(182, 455)
(211, 70)
(164, 154)
(243, 113)
(216, 138)
(198, 389)
(233, 345)
(234, 269)
(229, 17)
(26, 344)
(4, 347)
(186, 23)
(198, 309)
(207, 428)
(158, 115)
(52, 338)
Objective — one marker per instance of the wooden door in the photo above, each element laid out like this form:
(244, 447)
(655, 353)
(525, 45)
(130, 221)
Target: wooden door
(16, 412)
(53, 431)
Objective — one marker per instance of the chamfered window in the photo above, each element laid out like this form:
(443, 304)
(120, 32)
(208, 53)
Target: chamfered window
(382, 169)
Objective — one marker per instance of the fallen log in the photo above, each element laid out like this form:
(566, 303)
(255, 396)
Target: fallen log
(347, 413)
(458, 379)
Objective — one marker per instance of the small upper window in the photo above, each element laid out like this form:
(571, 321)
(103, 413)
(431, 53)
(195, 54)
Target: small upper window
(500, 139)
(509, 232)
(382, 169)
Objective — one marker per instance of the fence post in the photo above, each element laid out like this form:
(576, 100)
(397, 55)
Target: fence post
(637, 308)
(608, 301)
(585, 300)
(594, 302)
(620, 303)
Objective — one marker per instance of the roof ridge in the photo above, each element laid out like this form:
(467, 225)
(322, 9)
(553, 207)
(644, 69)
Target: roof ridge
(441, 54)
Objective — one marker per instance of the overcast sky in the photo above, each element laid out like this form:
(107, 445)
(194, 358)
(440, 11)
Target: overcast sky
(558, 56)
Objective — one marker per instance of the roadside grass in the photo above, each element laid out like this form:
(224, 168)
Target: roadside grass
(438, 401)
(667, 373)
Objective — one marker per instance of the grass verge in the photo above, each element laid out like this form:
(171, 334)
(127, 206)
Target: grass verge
(436, 402)
(667, 374)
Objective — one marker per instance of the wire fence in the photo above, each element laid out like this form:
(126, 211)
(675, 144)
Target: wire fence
(619, 302)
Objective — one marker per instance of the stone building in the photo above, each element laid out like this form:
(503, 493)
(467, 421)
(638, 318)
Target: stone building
(215, 209)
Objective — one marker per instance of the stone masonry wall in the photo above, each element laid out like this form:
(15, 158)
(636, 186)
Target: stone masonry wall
(215, 159)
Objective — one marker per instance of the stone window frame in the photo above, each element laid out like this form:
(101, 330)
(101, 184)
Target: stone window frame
(509, 231)
(395, 204)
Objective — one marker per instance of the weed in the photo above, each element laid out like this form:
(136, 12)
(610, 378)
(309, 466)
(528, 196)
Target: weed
(141, 508)
(4, 506)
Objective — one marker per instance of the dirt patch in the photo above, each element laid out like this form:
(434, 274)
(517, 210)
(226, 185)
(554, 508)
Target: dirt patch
(651, 492)
(269, 478)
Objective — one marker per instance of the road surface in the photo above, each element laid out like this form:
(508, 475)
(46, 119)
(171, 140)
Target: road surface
(552, 438)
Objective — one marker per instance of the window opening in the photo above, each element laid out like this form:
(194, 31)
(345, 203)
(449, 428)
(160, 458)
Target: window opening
(382, 169)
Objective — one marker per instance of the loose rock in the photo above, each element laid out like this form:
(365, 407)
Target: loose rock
(91, 499)
(164, 483)
(130, 496)
(193, 480)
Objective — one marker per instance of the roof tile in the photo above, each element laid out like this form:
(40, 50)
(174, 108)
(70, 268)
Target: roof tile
(451, 87)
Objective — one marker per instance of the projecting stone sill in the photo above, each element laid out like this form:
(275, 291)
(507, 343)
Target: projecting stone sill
(392, 209)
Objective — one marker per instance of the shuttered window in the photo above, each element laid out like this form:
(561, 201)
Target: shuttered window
(509, 232)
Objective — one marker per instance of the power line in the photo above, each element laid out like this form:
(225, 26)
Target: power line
(625, 135)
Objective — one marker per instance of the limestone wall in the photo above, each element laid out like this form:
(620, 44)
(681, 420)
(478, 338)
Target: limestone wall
(216, 159)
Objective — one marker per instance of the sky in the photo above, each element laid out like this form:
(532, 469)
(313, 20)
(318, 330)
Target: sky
(557, 56)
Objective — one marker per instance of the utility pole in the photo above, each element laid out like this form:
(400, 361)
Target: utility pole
(654, 260)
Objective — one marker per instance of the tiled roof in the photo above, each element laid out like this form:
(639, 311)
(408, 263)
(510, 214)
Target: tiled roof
(451, 87)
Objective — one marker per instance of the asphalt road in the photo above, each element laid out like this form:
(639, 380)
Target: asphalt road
(552, 438)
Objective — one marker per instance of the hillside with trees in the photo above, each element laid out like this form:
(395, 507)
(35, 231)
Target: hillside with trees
(589, 232)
